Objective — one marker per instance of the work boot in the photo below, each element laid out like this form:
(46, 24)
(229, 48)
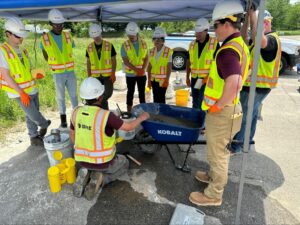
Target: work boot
(36, 141)
(63, 119)
(129, 107)
(202, 176)
(43, 131)
(201, 199)
(93, 187)
(81, 182)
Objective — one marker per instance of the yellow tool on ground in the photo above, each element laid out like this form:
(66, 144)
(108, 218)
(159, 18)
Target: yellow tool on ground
(61, 173)
(54, 181)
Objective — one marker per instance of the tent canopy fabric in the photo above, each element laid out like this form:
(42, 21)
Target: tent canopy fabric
(111, 10)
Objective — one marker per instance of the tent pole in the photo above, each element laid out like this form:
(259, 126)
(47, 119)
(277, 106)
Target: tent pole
(257, 45)
(99, 14)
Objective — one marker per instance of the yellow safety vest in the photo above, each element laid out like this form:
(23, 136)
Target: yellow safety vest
(102, 66)
(215, 84)
(92, 145)
(200, 66)
(268, 72)
(18, 71)
(134, 59)
(58, 61)
(159, 68)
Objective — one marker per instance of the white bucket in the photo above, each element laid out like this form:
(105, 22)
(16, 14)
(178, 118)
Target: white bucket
(64, 146)
(127, 135)
(120, 83)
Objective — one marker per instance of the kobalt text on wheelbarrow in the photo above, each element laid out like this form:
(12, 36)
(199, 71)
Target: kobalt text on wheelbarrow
(169, 124)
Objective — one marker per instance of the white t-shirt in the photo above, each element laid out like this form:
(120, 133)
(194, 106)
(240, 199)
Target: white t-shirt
(4, 64)
(159, 53)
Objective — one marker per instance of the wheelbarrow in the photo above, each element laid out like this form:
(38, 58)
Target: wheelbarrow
(169, 124)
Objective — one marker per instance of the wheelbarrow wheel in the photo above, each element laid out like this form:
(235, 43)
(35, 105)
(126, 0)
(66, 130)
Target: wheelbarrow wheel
(143, 136)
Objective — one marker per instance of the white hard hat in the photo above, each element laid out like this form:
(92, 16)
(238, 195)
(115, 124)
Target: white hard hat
(225, 9)
(15, 26)
(132, 28)
(159, 33)
(202, 24)
(95, 30)
(267, 15)
(91, 88)
(55, 16)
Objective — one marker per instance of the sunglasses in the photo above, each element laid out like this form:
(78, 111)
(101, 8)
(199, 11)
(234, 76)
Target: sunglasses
(57, 24)
(16, 36)
(162, 39)
(216, 25)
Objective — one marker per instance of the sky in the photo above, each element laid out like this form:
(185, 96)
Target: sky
(294, 1)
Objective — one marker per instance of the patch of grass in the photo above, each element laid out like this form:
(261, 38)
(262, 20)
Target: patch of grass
(10, 112)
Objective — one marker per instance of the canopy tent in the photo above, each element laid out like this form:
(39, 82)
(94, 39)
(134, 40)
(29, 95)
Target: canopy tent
(147, 10)
(111, 10)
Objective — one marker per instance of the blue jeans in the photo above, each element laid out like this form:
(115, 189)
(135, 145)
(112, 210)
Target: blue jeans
(34, 118)
(61, 81)
(260, 95)
(198, 95)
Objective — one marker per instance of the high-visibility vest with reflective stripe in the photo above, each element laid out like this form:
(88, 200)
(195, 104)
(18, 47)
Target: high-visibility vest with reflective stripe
(200, 65)
(159, 68)
(18, 71)
(135, 59)
(102, 66)
(268, 72)
(59, 61)
(92, 145)
(215, 84)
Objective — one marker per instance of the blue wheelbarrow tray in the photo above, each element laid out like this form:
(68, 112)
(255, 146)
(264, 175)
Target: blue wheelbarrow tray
(186, 127)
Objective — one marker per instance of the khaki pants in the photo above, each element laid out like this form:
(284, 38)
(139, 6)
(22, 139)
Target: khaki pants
(220, 129)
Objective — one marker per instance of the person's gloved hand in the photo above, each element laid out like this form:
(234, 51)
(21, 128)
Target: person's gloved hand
(39, 76)
(214, 109)
(113, 77)
(25, 98)
(140, 72)
(165, 83)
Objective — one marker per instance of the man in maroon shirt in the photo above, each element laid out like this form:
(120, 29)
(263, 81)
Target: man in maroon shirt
(223, 120)
(99, 163)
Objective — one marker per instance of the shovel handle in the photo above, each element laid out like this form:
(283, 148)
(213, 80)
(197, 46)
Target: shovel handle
(134, 160)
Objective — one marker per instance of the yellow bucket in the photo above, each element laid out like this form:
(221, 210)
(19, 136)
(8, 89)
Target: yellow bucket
(182, 97)
(71, 174)
(54, 181)
(62, 172)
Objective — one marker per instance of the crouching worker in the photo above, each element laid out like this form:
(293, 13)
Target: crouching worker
(92, 131)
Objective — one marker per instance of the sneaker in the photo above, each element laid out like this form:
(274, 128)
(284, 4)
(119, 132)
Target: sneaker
(201, 199)
(93, 187)
(36, 141)
(81, 182)
(202, 176)
(43, 131)
(234, 148)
